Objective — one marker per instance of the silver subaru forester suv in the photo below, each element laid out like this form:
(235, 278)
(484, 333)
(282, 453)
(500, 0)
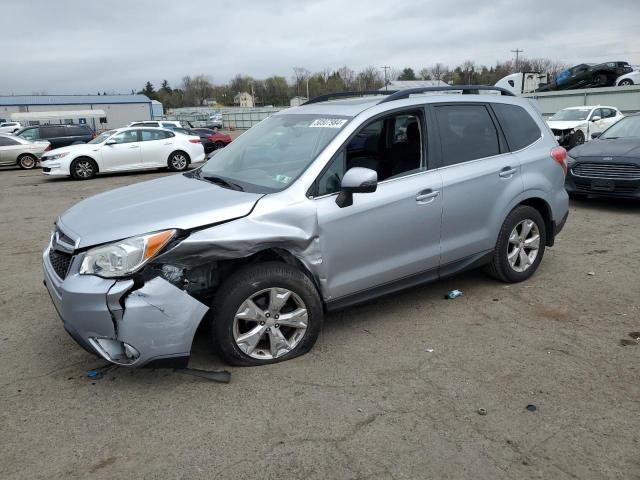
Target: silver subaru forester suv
(316, 208)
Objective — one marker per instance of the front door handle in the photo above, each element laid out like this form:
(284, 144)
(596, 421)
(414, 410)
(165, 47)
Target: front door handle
(134, 146)
(427, 196)
(507, 172)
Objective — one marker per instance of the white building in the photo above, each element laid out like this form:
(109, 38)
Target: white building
(243, 99)
(117, 110)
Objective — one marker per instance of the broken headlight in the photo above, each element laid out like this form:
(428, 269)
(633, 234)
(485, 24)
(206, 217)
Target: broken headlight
(125, 257)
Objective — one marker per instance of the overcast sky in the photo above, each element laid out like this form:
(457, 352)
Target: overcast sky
(83, 47)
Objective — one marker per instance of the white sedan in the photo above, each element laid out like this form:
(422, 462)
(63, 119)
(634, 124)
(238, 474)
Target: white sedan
(125, 149)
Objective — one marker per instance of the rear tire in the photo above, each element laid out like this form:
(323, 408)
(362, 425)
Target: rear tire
(232, 315)
(600, 79)
(83, 168)
(514, 259)
(178, 161)
(219, 145)
(27, 162)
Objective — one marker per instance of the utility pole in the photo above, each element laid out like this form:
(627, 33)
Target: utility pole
(517, 52)
(385, 68)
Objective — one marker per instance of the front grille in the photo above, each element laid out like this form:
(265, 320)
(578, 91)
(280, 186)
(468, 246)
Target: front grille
(607, 170)
(60, 261)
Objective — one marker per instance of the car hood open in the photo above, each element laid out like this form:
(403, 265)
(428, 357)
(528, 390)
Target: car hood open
(176, 201)
(614, 148)
(565, 125)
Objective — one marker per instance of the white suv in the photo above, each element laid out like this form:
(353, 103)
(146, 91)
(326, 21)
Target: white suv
(152, 123)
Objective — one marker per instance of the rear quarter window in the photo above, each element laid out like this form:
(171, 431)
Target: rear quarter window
(520, 129)
(52, 132)
(74, 131)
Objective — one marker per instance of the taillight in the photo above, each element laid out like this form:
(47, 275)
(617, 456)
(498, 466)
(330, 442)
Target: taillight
(194, 140)
(211, 138)
(559, 154)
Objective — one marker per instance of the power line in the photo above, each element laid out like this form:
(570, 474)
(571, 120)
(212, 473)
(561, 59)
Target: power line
(517, 52)
(385, 68)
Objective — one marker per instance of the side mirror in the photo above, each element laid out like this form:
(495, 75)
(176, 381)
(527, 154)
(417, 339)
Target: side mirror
(596, 134)
(595, 118)
(356, 180)
(110, 142)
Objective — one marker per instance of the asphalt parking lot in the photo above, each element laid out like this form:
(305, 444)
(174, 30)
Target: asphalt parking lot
(390, 391)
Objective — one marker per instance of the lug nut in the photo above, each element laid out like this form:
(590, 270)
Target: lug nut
(277, 326)
(277, 316)
(268, 330)
(267, 314)
(261, 323)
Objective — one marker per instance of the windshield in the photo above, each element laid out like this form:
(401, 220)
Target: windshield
(569, 115)
(271, 155)
(102, 137)
(628, 127)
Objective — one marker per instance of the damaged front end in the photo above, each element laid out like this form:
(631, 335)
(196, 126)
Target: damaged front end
(565, 138)
(150, 317)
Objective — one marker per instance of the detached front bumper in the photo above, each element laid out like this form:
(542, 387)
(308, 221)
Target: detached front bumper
(152, 325)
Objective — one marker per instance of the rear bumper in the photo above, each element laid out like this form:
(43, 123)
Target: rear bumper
(604, 187)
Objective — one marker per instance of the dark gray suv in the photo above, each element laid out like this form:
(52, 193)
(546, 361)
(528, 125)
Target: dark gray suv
(316, 208)
(58, 135)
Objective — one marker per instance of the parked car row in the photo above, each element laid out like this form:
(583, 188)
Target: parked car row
(18, 151)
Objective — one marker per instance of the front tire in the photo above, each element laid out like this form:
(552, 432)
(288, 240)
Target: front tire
(218, 145)
(178, 162)
(265, 313)
(520, 246)
(27, 162)
(83, 168)
(625, 83)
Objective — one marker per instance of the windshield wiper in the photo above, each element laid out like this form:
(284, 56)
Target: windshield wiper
(222, 182)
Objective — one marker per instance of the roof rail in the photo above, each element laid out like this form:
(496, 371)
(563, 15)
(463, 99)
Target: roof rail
(466, 89)
(330, 96)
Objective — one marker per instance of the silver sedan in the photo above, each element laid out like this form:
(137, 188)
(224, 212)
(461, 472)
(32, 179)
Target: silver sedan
(18, 151)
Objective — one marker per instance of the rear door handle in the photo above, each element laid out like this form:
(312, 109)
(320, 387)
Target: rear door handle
(507, 172)
(427, 196)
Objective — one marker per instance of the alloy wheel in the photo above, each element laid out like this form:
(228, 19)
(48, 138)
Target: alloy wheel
(524, 244)
(27, 162)
(270, 323)
(179, 161)
(84, 169)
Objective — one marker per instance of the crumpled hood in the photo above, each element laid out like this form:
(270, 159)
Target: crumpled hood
(566, 125)
(615, 148)
(175, 201)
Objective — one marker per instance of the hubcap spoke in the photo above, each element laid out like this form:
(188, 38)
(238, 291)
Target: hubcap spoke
(295, 319)
(277, 299)
(249, 311)
(526, 228)
(524, 259)
(279, 345)
(513, 238)
(532, 242)
(513, 256)
(248, 341)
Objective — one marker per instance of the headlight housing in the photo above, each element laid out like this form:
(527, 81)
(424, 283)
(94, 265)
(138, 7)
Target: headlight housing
(55, 156)
(125, 257)
(570, 160)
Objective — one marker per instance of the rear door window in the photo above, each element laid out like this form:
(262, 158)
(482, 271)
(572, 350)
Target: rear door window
(52, 132)
(76, 131)
(7, 142)
(149, 135)
(520, 129)
(467, 132)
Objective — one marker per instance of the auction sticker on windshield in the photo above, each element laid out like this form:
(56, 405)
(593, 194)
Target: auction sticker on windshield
(328, 123)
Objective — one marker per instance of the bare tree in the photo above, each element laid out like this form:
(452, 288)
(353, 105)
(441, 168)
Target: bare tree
(196, 89)
(300, 74)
